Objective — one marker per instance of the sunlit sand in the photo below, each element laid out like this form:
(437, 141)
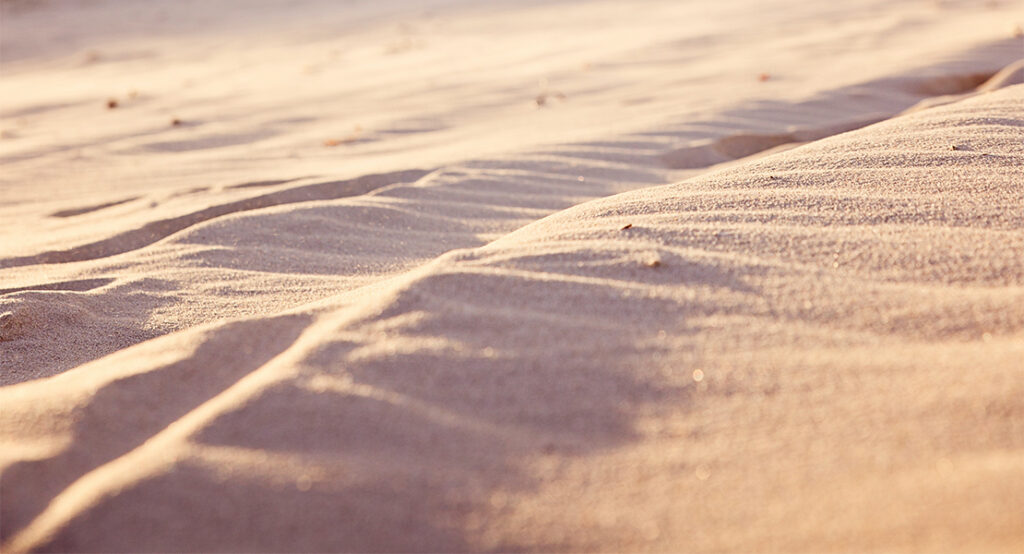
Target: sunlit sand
(545, 276)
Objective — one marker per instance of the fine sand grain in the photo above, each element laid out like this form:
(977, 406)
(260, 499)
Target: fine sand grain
(426, 288)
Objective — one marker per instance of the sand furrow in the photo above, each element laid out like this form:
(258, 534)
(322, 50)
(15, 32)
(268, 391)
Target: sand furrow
(158, 230)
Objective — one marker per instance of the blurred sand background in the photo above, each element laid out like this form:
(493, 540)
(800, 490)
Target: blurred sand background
(410, 276)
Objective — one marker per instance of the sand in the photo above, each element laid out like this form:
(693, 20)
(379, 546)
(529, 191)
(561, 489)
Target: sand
(289, 277)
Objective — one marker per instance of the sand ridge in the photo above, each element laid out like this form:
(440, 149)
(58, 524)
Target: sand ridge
(260, 246)
(801, 286)
(426, 334)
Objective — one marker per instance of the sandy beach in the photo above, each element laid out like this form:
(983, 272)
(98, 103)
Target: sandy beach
(439, 276)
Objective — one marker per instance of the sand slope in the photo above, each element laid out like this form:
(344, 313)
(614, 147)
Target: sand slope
(452, 126)
(410, 278)
(854, 307)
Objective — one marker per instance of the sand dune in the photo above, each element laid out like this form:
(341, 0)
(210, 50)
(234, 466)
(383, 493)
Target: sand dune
(854, 308)
(479, 320)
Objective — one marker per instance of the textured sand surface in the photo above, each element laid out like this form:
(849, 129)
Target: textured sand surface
(410, 279)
